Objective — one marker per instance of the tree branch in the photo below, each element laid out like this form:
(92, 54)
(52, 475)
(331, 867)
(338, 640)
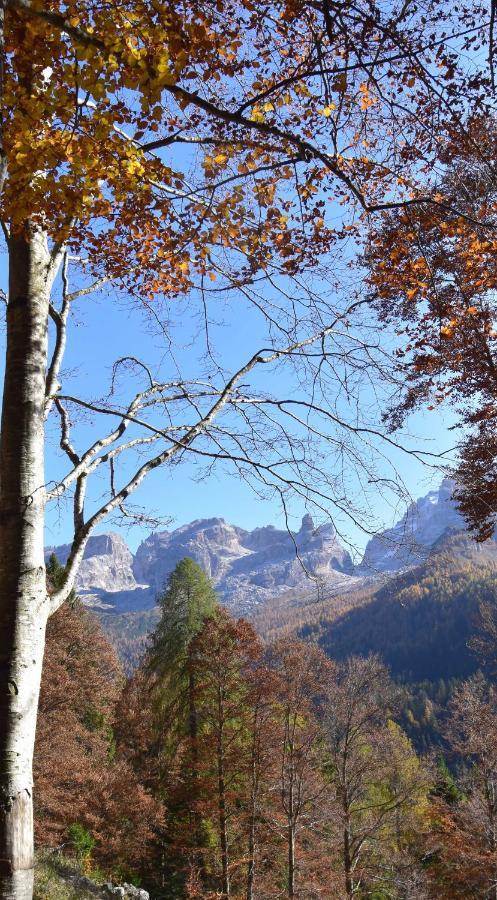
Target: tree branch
(60, 321)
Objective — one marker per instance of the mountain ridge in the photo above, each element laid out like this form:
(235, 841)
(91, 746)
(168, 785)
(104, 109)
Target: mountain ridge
(251, 568)
(246, 567)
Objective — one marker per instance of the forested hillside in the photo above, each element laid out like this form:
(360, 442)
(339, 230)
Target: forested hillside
(226, 767)
(420, 622)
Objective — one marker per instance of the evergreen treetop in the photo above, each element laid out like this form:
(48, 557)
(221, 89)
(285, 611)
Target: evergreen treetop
(187, 601)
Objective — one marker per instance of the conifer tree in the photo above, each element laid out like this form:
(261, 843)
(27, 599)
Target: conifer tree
(223, 656)
(187, 601)
(304, 674)
(161, 697)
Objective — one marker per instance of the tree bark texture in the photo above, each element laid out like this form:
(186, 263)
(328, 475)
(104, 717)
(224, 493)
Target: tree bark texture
(23, 594)
(291, 859)
(347, 863)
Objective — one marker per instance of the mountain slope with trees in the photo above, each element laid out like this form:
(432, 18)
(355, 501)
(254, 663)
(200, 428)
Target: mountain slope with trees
(421, 621)
(224, 767)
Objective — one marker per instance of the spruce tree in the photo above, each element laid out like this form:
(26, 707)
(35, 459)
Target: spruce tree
(187, 601)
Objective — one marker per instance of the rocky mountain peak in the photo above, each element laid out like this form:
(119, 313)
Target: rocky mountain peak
(107, 566)
(408, 542)
(307, 524)
(246, 567)
(249, 568)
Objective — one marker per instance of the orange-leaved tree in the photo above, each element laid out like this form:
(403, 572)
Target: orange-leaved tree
(185, 148)
(433, 272)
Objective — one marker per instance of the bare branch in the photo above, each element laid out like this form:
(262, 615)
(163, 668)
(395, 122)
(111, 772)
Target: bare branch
(60, 321)
(83, 292)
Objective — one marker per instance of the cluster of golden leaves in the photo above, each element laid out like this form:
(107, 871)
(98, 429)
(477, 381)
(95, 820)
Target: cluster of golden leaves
(434, 270)
(187, 139)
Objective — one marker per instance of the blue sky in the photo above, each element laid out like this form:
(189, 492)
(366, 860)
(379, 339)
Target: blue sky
(110, 325)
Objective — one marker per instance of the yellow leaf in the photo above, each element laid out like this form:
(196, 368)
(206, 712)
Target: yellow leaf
(98, 90)
(257, 115)
(327, 111)
(220, 158)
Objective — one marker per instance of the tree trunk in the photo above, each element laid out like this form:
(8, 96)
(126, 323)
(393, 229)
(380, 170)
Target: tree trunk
(23, 595)
(223, 821)
(194, 773)
(252, 821)
(347, 862)
(347, 855)
(291, 835)
(251, 858)
(291, 859)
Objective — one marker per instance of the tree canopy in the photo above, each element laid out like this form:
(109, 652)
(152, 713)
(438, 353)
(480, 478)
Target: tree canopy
(187, 600)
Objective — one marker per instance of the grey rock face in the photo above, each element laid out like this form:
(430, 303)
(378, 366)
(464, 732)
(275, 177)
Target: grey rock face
(249, 568)
(107, 563)
(106, 573)
(246, 567)
(410, 540)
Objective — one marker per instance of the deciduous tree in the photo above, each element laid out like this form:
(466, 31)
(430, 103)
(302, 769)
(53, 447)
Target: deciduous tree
(90, 784)
(433, 273)
(464, 839)
(181, 148)
(375, 774)
(304, 674)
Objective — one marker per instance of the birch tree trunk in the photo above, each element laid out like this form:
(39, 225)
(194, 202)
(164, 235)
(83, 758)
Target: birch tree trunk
(23, 594)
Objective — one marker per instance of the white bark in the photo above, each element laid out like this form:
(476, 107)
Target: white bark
(23, 596)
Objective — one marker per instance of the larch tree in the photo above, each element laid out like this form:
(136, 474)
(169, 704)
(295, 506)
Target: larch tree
(359, 703)
(221, 657)
(263, 739)
(187, 601)
(179, 149)
(304, 674)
